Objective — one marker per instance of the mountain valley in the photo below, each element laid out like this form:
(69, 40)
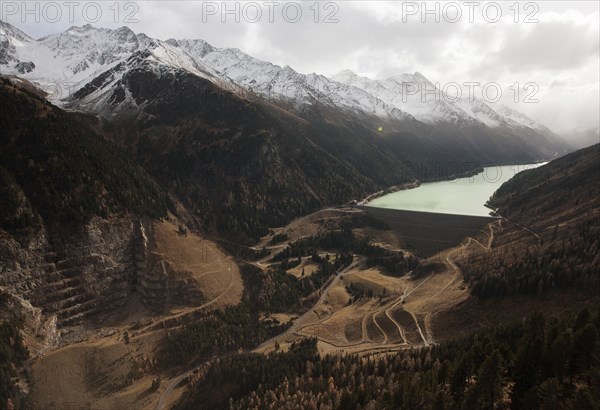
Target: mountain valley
(183, 226)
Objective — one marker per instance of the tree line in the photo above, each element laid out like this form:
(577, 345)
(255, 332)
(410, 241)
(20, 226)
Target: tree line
(539, 363)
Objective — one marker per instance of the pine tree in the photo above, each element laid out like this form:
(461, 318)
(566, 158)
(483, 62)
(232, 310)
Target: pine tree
(489, 379)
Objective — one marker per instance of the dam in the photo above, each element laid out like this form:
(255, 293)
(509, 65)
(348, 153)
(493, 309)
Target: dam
(427, 233)
(439, 215)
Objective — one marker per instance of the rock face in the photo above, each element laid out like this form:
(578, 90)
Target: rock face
(94, 271)
(39, 332)
(158, 283)
(25, 67)
(25, 334)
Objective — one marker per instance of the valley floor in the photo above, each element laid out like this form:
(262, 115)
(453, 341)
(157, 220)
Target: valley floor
(114, 365)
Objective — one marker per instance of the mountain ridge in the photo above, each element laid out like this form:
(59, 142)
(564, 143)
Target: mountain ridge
(230, 66)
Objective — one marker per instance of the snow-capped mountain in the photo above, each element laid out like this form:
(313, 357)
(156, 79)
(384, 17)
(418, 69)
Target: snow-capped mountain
(416, 95)
(11, 40)
(68, 61)
(515, 117)
(87, 64)
(79, 55)
(411, 93)
(284, 83)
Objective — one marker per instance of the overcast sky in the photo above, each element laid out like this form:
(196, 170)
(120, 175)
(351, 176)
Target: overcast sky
(559, 53)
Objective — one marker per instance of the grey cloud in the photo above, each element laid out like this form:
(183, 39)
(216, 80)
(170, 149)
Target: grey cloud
(550, 45)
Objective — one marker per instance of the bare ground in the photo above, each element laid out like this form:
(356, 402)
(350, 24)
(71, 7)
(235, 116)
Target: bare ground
(307, 265)
(201, 260)
(104, 372)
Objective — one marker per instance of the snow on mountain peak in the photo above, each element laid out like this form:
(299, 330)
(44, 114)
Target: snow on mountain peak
(517, 117)
(82, 53)
(145, 41)
(417, 75)
(9, 31)
(11, 40)
(196, 47)
(345, 74)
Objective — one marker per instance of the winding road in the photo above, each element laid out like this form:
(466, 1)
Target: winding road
(300, 323)
(169, 390)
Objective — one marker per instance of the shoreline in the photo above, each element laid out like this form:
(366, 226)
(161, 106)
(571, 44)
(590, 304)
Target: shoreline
(412, 185)
(394, 188)
(416, 183)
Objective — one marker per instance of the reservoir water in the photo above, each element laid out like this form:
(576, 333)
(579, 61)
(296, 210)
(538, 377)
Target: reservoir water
(462, 196)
